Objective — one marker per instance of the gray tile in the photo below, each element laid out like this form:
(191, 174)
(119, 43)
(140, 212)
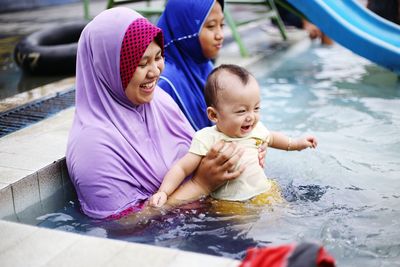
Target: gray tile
(24, 245)
(88, 251)
(3, 185)
(38, 145)
(26, 192)
(12, 144)
(64, 171)
(33, 162)
(144, 256)
(151, 256)
(11, 175)
(38, 248)
(51, 143)
(6, 201)
(50, 180)
(12, 234)
(69, 190)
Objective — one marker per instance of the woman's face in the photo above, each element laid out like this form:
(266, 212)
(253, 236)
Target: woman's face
(141, 87)
(211, 35)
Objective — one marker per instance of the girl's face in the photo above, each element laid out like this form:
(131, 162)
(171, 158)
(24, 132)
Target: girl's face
(238, 106)
(141, 87)
(211, 35)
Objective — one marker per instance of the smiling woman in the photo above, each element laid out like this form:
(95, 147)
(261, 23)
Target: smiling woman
(127, 132)
(211, 35)
(193, 37)
(141, 88)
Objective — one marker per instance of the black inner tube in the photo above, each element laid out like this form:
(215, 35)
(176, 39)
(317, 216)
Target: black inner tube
(51, 51)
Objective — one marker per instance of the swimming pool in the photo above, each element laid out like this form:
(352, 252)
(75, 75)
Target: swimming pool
(12, 79)
(344, 194)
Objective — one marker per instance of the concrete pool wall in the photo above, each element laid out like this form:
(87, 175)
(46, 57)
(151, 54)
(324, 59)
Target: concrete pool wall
(31, 163)
(32, 168)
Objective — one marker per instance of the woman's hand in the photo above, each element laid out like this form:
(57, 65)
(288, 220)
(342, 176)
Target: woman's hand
(217, 167)
(262, 152)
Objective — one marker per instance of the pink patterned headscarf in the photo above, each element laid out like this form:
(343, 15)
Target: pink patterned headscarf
(119, 152)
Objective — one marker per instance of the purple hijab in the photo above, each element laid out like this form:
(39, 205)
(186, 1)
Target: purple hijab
(118, 152)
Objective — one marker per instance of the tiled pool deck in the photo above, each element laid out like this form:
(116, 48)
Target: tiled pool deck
(23, 245)
(32, 168)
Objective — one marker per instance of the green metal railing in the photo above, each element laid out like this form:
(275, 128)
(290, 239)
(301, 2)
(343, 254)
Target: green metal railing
(145, 11)
(86, 9)
(270, 12)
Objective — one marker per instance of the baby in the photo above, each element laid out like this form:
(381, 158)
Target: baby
(233, 98)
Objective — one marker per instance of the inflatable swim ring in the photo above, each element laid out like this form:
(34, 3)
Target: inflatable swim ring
(50, 51)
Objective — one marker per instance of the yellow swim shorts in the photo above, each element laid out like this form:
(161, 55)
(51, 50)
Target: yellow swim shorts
(226, 207)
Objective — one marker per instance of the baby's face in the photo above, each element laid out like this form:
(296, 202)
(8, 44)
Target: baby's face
(238, 109)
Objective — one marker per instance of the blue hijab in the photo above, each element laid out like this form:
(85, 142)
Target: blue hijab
(186, 68)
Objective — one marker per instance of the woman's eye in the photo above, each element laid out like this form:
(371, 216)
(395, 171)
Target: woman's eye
(210, 26)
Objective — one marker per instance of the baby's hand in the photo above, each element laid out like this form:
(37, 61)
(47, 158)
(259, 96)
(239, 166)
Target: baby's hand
(306, 142)
(158, 199)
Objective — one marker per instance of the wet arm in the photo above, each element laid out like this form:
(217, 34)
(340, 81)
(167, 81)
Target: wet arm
(215, 169)
(182, 169)
(281, 141)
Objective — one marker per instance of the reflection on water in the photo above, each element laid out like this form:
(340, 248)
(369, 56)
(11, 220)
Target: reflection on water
(12, 79)
(352, 106)
(344, 194)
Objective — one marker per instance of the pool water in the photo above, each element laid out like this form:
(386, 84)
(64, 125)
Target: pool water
(12, 79)
(345, 194)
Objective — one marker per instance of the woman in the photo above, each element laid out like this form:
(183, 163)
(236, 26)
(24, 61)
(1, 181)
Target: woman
(193, 36)
(127, 132)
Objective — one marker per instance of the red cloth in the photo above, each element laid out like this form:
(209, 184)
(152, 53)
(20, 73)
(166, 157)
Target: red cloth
(126, 212)
(324, 259)
(301, 255)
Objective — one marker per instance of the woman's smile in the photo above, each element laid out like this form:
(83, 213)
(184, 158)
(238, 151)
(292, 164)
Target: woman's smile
(148, 87)
(141, 87)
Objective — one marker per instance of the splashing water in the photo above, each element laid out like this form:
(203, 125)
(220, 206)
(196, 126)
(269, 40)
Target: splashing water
(344, 194)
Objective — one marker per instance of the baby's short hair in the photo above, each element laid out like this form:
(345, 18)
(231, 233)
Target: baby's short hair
(213, 85)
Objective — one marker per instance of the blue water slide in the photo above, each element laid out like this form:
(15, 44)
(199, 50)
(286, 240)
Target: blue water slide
(356, 28)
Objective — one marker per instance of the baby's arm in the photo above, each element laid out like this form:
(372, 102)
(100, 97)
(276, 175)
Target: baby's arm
(214, 170)
(174, 177)
(281, 141)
